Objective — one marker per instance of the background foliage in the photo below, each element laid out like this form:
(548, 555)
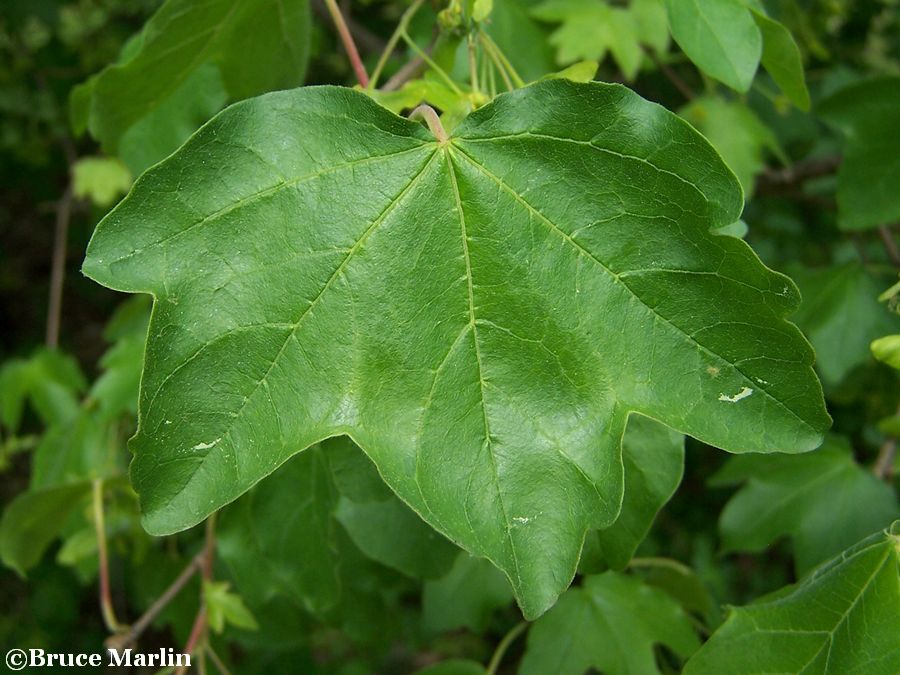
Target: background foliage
(320, 568)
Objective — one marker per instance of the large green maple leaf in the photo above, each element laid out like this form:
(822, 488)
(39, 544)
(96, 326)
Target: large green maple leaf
(480, 315)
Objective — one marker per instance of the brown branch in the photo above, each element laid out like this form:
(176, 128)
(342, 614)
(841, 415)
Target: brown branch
(349, 45)
(199, 629)
(884, 465)
(366, 39)
(124, 640)
(671, 75)
(58, 267)
(411, 69)
(780, 181)
(890, 246)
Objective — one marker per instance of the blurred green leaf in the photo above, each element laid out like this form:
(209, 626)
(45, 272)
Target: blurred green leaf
(736, 132)
(522, 39)
(823, 500)
(182, 36)
(101, 179)
(466, 597)
(223, 606)
(394, 535)
(840, 314)
(279, 540)
(720, 37)
(590, 29)
(781, 59)
(654, 463)
(34, 519)
(887, 350)
(453, 667)
(868, 115)
(612, 624)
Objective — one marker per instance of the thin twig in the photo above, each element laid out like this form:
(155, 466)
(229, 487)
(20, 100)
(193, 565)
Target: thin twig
(198, 630)
(411, 69)
(58, 267)
(884, 465)
(124, 640)
(365, 38)
(887, 238)
(349, 45)
(507, 640)
(393, 40)
(783, 180)
(217, 661)
(106, 606)
(671, 75)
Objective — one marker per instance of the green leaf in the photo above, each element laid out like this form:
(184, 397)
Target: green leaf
(298, 296)
(180, 38)
(590, 29)
(77, 449)
(781, 59)
(840, 619)
(611, 624)
(868, 115)
(841, 316)
(522, 39)
(453, 667)
(48, 380)
(353, 472)
(737, 229)
(278, 540)
(34, 519)
(583, 71)
(101, 179)
(223, 606)
(887, 350)
(652, 24)
(481, 9)
(680, 582)
(168, 125)
(736, 132)
(391, 533)
(720, 37)
(823, 500)
(466, 597)
(654, 463)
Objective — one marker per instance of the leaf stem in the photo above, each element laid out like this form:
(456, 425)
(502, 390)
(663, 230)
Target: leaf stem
(431, 64)
(199, 629)
(661, 562)
(106, 606)
(126, 639)
(393, 40)
(498, 64)
(473, 64)
(349, 45)
(427, 113)
(217, 661)
(507, 640)
(518, 81)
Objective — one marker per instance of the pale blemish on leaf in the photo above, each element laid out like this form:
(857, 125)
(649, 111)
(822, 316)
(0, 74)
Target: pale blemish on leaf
(742, 394)
(206, 446)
